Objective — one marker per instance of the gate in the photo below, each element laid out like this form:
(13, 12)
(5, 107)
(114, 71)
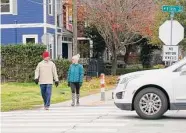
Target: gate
(95, 67)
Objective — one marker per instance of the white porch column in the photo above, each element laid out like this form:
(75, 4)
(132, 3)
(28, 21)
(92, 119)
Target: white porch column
(69, 51)
(59, 50)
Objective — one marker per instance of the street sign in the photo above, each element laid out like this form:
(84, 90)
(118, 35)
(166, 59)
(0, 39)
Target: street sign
(170, 53)
(175, 9)
(47, 38)
(171, 35)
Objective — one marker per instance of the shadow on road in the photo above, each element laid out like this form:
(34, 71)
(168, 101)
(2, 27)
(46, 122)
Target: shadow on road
(174, 117)
(135, 117)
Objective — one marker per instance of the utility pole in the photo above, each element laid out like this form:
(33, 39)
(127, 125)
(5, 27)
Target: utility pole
(74, 3)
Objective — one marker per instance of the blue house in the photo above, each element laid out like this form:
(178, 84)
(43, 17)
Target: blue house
(32, 21)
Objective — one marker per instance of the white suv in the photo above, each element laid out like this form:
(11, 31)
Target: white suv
(151, 93)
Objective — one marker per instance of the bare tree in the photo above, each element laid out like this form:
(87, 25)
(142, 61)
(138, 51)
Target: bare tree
(119, 22)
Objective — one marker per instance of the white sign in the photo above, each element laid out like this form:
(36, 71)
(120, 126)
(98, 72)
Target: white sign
(170, 53)
(47, 39)
(171, 36)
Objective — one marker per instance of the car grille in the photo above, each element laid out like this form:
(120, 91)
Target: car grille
(119, 95)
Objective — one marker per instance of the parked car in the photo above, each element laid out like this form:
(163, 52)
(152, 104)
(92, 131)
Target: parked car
(151, 93)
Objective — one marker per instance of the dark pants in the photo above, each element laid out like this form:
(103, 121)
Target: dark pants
(46, 91)
(75, 87)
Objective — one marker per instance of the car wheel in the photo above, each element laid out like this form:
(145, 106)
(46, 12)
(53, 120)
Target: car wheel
(150, 103)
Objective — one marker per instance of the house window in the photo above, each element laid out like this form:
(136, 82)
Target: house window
(50, 49)
(65, 39)
(6, 6)
(30, 39)
(50, 7)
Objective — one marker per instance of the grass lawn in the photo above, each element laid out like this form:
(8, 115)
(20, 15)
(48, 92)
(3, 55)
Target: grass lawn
(17, 96)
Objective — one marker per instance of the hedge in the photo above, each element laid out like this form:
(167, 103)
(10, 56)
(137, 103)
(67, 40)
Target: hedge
(20, 61)
(62, 68)
(121, 71)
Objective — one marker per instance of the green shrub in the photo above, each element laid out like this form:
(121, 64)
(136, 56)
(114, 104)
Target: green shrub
(62, 67)
(20, 61)
(122, 71)
(159, 66)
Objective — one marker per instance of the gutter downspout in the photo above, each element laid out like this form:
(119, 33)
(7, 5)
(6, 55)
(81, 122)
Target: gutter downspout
(45, 16)
(56, 36)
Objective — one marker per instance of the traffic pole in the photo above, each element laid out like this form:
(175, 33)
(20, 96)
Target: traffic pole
(75, 41)
(172, 19)
(102, 81)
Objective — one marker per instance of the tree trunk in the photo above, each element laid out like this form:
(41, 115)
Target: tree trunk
(114, 65)
(128, 50)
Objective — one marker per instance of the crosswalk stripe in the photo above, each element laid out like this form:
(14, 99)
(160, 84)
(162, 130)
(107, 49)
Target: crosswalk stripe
(111, 120)
(56, 113)
(61, 117)
(35, 130)
(61, 120)
(90, 119)
(35, 125)
(60, 130)
(70, 114)
(60, 111)
(42, 120)
(98, 130)
(50, 117)
(108, 125)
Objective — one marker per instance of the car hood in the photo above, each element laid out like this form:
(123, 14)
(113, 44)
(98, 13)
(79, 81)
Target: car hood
(146, 72)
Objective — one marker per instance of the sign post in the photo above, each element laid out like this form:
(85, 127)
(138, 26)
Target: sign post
(102, 81)
(171, 17)
(176, 30)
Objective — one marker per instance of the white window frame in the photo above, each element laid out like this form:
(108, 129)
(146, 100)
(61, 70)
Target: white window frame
(51, 3)
(30, 36)
(11, 8)
(50, 49)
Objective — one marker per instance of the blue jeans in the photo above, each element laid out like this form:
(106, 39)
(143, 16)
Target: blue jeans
(46, 91)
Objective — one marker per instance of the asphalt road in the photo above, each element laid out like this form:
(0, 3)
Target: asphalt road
(97, 117)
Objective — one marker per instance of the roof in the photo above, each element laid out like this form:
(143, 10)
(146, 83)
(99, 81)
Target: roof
(67, 32)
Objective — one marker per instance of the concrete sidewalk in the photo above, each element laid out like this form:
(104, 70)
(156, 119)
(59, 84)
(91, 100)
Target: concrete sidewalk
(94, 99)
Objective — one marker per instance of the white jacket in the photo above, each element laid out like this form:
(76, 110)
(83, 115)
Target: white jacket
(46, 72)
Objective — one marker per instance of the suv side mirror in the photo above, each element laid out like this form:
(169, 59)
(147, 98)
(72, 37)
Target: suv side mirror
(183, 70)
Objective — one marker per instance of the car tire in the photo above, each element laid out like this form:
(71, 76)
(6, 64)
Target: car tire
(150, 103)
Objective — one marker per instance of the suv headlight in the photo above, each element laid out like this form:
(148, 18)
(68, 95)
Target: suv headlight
(126, 80)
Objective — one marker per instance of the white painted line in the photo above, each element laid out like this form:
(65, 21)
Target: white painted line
(86, 114)
(53, 125)
(34, 130)
(60, 114)
(111, 120)
(36, 125)
(43, 120)
(50, 117)
(102, 125)
(36, 120)
(92, 130)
